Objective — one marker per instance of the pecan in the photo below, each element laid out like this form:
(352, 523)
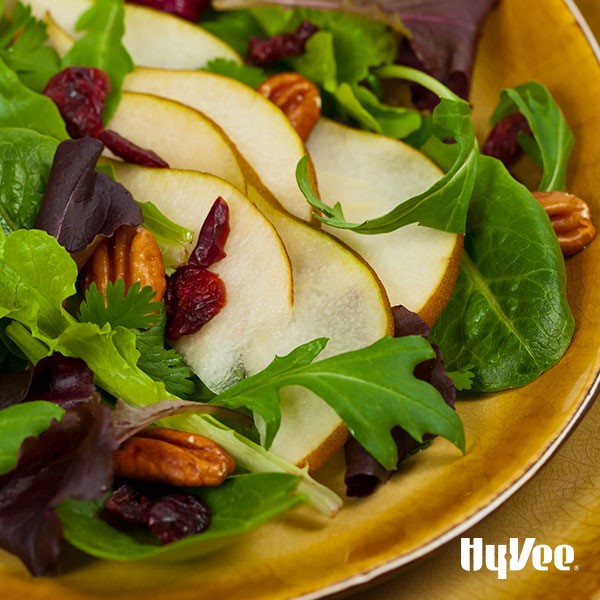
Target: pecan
(172, 457)
(570, 218)
(131, 254)
(297, 97)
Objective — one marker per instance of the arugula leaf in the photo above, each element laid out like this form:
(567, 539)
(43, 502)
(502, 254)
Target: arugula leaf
(22, 421)
(381, 376)
(508, 319)
(24, 50)
(552, 139)
(22, 107)
(443, 206)
(248, 74)
(164, 364)
(134, 309)
(239, 505)
(102, 47)
(25, 162)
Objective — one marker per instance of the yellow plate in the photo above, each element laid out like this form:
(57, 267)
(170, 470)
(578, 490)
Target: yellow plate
(438, 495)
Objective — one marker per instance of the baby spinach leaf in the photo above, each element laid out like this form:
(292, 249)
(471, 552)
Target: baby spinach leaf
(25, 161)
(102, 47)
(22, 421)
(248, 74)
(552, 139)
(443, 206)
(373, 390)
(21, 107)
(508, 319)
(239, 505)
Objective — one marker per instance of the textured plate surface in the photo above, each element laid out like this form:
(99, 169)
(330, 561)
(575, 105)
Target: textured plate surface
(439, 494)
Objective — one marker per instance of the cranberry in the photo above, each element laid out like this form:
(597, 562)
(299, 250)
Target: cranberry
(186, 9)
(503, 141)
(174, 516)
(128, 504)
(195, 295)
(263, 52)
(79, 93)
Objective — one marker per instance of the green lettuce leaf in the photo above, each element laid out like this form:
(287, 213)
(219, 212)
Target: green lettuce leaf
(508, 319)
(25, 162)
(251, 76)
(552, 139)
(102, 47)
(21, 421)
(239, 505)
(22, 107)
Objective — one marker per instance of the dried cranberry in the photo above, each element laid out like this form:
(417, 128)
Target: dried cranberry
(265, 51)
(194, 296)
(129, 505)
(130, 152)
(174, 516)
(503, 141)
(79, 93)
(186, 9)
(213, 235)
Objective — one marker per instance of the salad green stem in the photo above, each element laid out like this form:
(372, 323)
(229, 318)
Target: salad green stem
(416, 76)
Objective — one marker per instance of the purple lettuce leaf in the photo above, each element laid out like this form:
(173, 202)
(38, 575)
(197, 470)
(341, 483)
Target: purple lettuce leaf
(363, 472)
(81, 203)
(71, 459)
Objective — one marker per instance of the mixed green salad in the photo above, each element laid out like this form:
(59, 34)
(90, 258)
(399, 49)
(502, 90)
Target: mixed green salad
(84, 370)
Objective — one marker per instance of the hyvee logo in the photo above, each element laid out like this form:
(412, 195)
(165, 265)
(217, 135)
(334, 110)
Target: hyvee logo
(514, 556)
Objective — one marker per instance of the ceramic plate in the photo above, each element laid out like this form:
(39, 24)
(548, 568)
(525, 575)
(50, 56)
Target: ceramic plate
(438, 494)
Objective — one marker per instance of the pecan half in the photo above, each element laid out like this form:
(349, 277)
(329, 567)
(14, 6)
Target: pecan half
(172, 457)
(570, 218)
(297, 97)
(131, 254)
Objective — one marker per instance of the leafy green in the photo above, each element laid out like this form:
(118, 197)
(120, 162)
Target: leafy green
(102, 47)
(23, 49)
(22, 107)
(134, 309)
(235, 28)
(164, 364)
(373, 390)
(32, 294)
(239, 505)
(463, 380)
(251, 76)
(508, 319)
(552, 139)
(25, 162)
(443, 206)
(21, 421)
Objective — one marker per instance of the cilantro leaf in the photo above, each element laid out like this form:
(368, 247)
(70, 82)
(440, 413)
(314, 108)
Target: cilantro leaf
(134, 309)
(248, 74)
(102, 47)
(463, 380)
(24, 50)
(373, 390)
(164, 364)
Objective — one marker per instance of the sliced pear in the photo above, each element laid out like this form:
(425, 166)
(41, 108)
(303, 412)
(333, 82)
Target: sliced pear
(181, 135)
(174, 43)
(244, 336)
(260, 131)
(338, 296)
(369, 174)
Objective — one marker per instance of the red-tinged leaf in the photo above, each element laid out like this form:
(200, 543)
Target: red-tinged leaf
(190, 10)
(81, 203)
(71, 459)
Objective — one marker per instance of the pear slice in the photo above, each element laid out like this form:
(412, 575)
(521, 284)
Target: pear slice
(336, 295)
(181, 135)
(174, 42)
(369, 174)
(258, 128)
(244, 336)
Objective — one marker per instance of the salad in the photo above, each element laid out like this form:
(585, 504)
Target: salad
(206, 314)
